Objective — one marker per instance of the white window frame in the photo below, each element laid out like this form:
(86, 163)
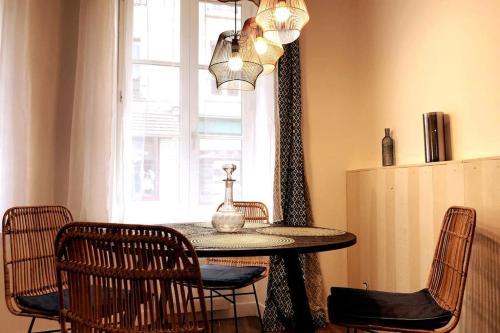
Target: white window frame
(189, 67)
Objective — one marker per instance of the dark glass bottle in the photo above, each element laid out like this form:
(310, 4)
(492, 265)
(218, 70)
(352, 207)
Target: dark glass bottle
(387, 149)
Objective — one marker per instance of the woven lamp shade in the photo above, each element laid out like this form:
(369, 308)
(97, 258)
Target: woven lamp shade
(227, 78)
(269, 52)
(282, 20)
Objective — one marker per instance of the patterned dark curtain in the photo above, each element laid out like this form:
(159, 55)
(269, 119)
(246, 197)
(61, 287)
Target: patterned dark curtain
(292, 200)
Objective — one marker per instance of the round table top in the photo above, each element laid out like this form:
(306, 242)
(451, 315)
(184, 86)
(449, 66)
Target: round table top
(301, 244)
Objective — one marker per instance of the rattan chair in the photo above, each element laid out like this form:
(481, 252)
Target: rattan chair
(128, 278)
(28, 257)
(434, 309)
(222, 277)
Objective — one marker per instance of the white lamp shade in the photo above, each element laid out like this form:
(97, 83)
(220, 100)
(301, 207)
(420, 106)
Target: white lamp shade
(282, 20)
(268, 51)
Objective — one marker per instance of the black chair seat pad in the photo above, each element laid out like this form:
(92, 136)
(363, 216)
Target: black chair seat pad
(220, 275)
(400, 310)
(47, 304)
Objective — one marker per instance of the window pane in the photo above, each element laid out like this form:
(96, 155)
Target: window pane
(215, 152)
(219, 110)
(169, 172)
(155, 126)
(156, 169)
(155, 104)
(157, 30)
(214, 19)
(145, 155)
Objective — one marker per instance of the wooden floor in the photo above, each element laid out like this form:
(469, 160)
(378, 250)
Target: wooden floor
(251, 325)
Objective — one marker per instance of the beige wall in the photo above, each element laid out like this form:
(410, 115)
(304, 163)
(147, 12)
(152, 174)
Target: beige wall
(427, 55)
(370, 64)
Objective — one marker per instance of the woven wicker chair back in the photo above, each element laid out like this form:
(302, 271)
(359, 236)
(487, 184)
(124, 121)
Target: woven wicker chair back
(28, 250)
(253, 212)
(129, 278)
(451, 259)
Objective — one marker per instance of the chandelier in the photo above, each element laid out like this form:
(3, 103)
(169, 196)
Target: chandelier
(240, 57)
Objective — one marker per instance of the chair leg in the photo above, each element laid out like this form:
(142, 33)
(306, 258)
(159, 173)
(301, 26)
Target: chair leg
(211, 311)
(258, 307)
(234, 310)
(31, 324)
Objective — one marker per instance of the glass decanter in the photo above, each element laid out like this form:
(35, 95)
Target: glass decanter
(228, 219)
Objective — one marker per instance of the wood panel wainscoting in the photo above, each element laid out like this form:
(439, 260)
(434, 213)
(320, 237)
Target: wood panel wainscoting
(396, 212)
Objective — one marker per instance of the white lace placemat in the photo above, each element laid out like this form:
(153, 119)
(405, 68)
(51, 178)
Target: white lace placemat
(300, 231)
(248, 225)
(239, 241)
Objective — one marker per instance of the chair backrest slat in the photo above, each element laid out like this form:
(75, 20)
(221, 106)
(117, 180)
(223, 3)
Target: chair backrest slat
(451, 259)
(124, 278)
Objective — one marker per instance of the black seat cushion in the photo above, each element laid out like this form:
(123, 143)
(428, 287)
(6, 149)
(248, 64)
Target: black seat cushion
(47, 304)
(413, 310)
(220, 275)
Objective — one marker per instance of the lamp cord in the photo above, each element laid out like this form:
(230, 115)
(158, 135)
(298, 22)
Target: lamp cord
(235, 18)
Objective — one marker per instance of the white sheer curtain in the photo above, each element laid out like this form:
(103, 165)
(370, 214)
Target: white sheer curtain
(13, 96)
(94, 125)
(29, 78)
(259, 150)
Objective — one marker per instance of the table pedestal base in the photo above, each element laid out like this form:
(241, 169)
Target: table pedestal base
(302, 321)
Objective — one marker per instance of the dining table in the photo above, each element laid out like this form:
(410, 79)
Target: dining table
(271, 240)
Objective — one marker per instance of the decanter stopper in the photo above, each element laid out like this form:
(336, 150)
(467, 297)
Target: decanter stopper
(229, 169)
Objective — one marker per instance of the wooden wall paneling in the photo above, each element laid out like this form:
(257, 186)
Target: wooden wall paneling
(367, 200)
(425, 224)
(381, 276)
(482, 181)
(353, 225)
(402, 260)
(414, 239)
(397, 213)
(389, 224)
(482, 298)
(448, 189)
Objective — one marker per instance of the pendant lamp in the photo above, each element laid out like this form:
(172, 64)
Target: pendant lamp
(269, 52)
(282, 20)
(235, 63)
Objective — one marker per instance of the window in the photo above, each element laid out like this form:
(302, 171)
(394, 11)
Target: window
(178, 129)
